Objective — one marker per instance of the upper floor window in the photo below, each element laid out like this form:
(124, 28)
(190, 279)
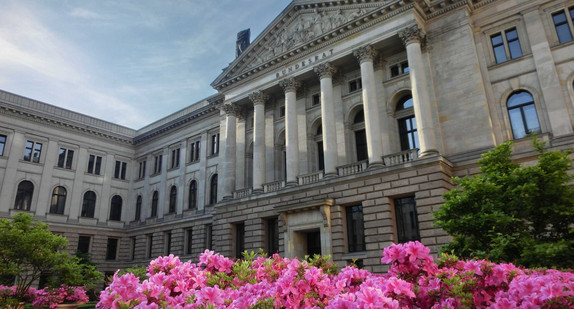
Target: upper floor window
(213, 190)
(138, 208)
(214, 144)
(316, 99)
(154, 202)
(506, 45)
(94, 164)
(407, 126)
(320, 150)
(88, 204)
(65, 158)
(142, 168)
(33, 152)
(281, 111)
(157, 164)
(192, 195)
(120, 170)
(24, 195)
(564, 24)
(175, 158)
(58, 201)
(116, 208)
(399, 69)
(194, 148)
(406, 219)
(2, 144)
(360, 136)
(355, 228)
(522, 114)
(355, 84)
(172, 199)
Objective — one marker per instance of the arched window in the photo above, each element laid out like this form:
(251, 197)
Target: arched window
(213, 190)
(58, 200)
(24, 195)
(320, 150)
(192, 195)
(522, 114)
(360, 136)
(172, 199)
(138, 208)
(89, 204)
(154, 201)
(116, 208)
(407, 125)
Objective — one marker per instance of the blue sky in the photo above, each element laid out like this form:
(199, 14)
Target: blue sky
(131, 61)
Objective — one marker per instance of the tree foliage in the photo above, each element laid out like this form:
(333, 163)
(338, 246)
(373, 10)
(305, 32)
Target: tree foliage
(28, 250)
(513, 213)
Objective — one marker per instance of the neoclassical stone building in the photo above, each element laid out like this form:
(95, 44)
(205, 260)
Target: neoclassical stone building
(335, 131)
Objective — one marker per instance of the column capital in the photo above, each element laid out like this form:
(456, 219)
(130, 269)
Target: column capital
(365, 53)
(289, 84)
(258, 97)
(412, 34)
(231, 109)
(325, 70)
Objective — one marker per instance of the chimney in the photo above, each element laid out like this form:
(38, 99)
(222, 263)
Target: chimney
(243, 41)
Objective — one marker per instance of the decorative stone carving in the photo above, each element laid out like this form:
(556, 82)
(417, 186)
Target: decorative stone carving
(258, 97)
(412, 34)
(325, 70)
(365, 53)
(289, 84)
(231, 109)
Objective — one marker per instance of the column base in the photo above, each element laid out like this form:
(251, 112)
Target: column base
(257, 191)
(375, 165)
(291, 183)
(330, 175)
(227, 198)
(429, 153)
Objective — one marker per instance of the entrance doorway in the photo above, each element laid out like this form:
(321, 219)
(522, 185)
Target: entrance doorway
(313, 243)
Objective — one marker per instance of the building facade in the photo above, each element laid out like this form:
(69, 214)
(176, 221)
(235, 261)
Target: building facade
(336, 131)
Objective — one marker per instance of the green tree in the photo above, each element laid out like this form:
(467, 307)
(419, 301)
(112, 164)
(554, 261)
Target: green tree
(28, 250)
(513, 213)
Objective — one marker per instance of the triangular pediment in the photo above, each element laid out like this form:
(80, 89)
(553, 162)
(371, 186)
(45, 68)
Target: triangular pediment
(302, 25)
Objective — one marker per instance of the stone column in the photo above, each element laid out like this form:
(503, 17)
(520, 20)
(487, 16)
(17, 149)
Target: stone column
(366, 55)
(290, 86)
(325, 72)
(258, 98)
(412, 38)
(231, 112)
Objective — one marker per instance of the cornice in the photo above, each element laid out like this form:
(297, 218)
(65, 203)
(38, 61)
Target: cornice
(66, 125)
(178, 122)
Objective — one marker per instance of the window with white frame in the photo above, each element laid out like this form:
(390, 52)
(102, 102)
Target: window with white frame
(65, 158)
(120, 170)
(94, 164)
(214, 141)
(174, 159)
(33, 151)
(194, 148)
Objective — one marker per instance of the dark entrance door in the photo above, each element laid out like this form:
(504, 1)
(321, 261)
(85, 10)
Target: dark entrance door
(313, 243)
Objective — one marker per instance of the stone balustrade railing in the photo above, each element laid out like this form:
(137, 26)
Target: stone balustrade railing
(401, 157)
(353, 168)
(310, 178)
(242, 193)
(273, 186)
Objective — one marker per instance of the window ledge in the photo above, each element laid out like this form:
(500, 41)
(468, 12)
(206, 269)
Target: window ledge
(497, 65)
(558, 45)
(398, 77)
(213, 156)
(193, 162)
(354, 255)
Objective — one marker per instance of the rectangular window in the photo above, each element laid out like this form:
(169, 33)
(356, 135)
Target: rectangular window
(355, 85)
(188, 241)
(215, 144)
(84, 244)
(562, 26)
(133, 255)
(120, 170)
(2, 144)
(149, 242)
(112, 249)
(406, 219)
(506, 45)
(194, 148)
(33, 152)
(65, 158)
(167, 241)
(157, 164)
(239, 239)
(175, 158)
(141, 171)
(316, 99)
(209, 237)
(272, 236)
(399, 69)
(355, 228)
(94, 164)
(282, 111)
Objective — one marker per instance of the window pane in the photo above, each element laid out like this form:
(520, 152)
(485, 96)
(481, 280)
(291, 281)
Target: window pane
(520, 98)
(518, 129)
(559, 18)
(407, 220)
(496, 39)
(98, 165)
(355, 228)
(531, 119)
(84, 244)
(111, 249)
(511, 35)
(500, 54)
(61, 157)
(69, 159)
(564, 34)
(2, 144)
(515, 50)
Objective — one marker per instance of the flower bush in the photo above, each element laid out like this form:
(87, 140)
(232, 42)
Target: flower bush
(52, 297)
(414, 280)
(9, 296)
